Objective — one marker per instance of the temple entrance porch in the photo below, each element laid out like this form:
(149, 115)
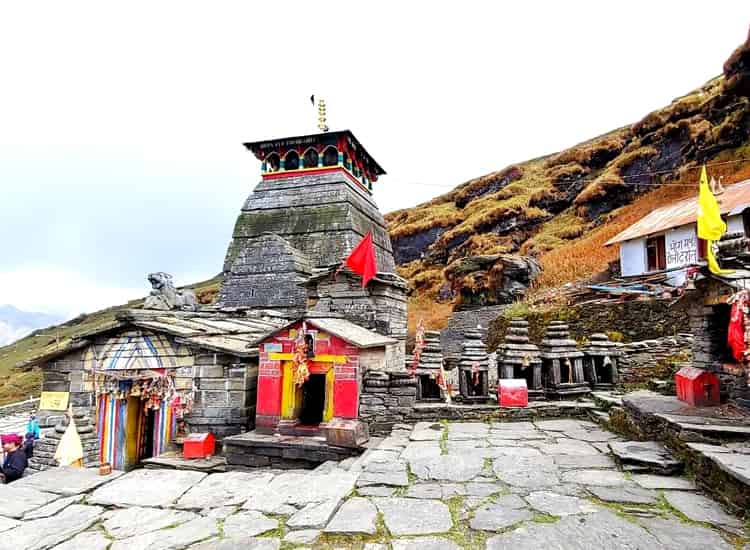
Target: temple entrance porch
(305, 407)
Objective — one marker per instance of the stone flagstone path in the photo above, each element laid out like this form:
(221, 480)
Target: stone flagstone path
(433, 486)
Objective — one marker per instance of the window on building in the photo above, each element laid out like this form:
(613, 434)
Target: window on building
(656, 253)
(291, 161)
(311, 158)
(273, 162)
(702, 249)
(330, 157)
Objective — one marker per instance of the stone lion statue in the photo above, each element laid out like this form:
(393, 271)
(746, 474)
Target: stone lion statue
(165, 296)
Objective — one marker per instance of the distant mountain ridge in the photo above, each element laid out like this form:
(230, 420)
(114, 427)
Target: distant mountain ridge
(15, 323)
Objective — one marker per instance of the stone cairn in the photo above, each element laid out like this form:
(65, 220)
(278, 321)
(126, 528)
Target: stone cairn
(44, 449)
(562, 363)
(600, 362)
(520, 358)
(429, 367)
(473, 368)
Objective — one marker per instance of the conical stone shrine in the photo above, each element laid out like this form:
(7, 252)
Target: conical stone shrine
(562, 363)
(600, 362)
(520, 358)
(473, 368)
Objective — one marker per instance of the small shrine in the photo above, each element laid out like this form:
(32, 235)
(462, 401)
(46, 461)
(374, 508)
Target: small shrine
(520, 358)
(429, 368)
(473, 368)
(562, 363)
(600, 362)
(310, 373)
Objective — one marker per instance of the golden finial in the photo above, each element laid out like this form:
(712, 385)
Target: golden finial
(322, 126)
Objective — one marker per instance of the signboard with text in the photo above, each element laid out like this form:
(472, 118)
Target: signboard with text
(54, 400)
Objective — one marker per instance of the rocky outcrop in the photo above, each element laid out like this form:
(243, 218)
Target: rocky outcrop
(737, 70)
(492, 279)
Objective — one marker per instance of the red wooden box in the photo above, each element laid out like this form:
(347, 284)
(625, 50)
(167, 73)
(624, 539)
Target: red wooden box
(199, 446)
(512, 393)
(697, 387)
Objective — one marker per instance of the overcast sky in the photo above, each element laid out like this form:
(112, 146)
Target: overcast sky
(121, 124)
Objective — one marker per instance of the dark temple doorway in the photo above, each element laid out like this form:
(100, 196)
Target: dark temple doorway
(313, 400)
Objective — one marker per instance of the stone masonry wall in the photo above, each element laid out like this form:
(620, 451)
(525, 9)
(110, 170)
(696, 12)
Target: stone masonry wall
(649, 359)
(29, 405)
(629, 321)
(225, 394)
(386, 399)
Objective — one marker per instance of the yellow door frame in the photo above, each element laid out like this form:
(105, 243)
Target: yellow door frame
(291, 394)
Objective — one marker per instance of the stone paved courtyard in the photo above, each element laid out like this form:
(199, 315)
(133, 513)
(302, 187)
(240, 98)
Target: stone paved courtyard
(519, 485)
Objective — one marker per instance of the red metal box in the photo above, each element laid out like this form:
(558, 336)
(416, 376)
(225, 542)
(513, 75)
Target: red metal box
(199, 445)
(697, 387)
(512, 393)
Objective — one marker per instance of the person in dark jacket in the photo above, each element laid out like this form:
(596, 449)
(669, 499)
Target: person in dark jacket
(28, 445)
(15, 461)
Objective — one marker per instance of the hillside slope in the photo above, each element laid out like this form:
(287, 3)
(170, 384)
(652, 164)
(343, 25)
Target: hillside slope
(18, 384)
(561, 208)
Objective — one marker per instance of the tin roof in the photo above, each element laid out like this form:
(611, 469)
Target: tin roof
(733, 200)
(346, 330)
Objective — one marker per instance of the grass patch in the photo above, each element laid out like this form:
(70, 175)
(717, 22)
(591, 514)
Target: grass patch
(329, 541)
(460, 532)
(544, 518)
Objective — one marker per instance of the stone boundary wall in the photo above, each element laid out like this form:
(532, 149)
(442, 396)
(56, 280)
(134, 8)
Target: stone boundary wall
(648, 359)
(29, 405)
(629, 321)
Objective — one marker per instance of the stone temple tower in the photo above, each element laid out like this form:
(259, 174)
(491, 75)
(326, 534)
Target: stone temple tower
(312, 206)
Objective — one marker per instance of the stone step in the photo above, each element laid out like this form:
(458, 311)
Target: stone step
(600, 417)
(606, 400)
(645, 456)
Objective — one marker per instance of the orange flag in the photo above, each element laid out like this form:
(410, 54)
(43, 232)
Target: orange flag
(362, 259)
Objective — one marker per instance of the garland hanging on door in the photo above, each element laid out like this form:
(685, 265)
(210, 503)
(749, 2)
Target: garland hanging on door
(299, 360)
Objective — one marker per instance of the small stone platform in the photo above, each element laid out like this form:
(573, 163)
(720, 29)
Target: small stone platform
(254, 450)
(714, 442)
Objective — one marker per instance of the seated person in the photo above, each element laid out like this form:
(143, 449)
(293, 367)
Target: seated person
(15, 461)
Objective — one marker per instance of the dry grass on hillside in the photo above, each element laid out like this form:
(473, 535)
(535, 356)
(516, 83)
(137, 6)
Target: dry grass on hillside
(587, 255)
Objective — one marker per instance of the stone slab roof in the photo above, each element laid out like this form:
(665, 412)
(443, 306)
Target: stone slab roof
(213, 331)
(346, 330)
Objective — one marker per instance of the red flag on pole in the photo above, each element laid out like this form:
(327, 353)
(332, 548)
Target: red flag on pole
(362, 259)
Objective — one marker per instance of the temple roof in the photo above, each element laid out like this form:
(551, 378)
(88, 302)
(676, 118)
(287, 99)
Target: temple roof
(260, 148)
(346, 330)
(211, 331)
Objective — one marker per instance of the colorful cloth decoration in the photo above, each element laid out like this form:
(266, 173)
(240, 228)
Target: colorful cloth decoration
(736, 331)
(710, 225)
(418, 347)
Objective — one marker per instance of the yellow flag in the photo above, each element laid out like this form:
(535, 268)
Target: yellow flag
(70, 450)
(710, 225)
